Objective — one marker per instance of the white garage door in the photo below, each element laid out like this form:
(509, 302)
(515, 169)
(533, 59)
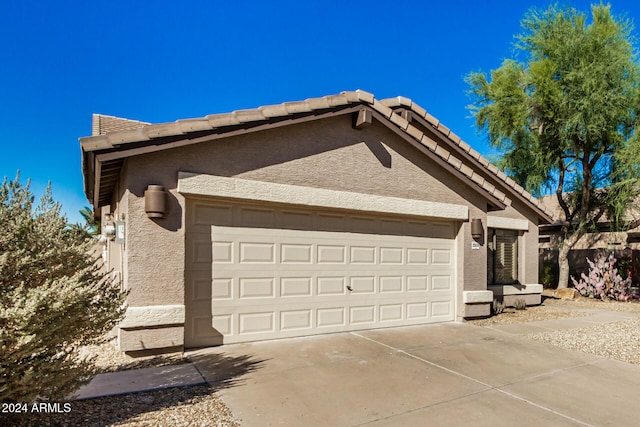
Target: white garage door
(266, 283)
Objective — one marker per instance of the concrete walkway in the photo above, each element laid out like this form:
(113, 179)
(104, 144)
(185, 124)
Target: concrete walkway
(138, 380)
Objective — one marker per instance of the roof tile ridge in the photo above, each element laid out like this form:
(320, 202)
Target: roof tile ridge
(101, 121)
(401, 101)
(283, 109)
(107, 116)
(236, 117)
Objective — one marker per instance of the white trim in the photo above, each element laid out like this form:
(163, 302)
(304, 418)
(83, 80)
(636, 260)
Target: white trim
(153, 315)
(507, 223)
(474, 297)
(244, 189)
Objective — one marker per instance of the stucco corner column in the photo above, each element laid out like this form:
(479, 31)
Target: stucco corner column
(152, 327)
(477, 303)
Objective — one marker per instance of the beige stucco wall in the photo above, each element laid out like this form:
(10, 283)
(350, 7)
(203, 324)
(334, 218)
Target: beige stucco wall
(325, 154)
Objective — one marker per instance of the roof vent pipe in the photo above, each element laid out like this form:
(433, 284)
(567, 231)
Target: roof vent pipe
(155, 201)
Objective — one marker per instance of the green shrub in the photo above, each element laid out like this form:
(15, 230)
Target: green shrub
(520, 304)
(549, 274)
(498, 307)
(54, 298)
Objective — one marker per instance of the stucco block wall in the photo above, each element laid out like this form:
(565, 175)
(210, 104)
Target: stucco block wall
(155, 255)
(147, 339)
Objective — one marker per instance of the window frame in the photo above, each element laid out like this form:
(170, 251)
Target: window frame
(509, 238)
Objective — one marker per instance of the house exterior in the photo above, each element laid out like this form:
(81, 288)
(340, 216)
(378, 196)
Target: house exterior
(331, 214)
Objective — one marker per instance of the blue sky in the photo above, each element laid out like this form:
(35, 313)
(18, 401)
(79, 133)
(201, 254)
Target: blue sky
(159, 61)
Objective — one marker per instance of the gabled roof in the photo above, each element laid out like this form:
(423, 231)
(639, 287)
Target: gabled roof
(103, 154)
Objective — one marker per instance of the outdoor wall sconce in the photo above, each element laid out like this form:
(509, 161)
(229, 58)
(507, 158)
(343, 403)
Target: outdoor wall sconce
(109, 227)
(476, 229)
(155, 201)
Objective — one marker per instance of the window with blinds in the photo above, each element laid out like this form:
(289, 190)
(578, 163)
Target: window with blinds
(502, 257)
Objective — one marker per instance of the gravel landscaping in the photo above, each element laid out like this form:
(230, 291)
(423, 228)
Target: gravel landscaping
(531, 314)
(200, 405)
(182, 406)
(617, 340)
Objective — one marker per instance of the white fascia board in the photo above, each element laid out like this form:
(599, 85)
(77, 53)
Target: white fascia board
(153, 315)
(244, 189)
(507, 223)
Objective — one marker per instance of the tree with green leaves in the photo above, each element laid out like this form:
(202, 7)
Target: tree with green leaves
(564, 114)
(91, 226)
(54, 297)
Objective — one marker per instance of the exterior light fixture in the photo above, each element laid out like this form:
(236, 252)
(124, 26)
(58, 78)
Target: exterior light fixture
(109, 227)
(476, 229)
(155, 201)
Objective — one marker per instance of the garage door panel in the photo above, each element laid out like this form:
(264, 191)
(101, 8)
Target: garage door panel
(263, 322)
(256, 287)
(417, 283)
(442, 309)
(362, 314)
(296, 287)
(292, 283)
(253, 323)
(363, 255)
(315, 274)
(254, 217)
(201, 215)
(391, 312)
(418, 311)
(417, 256)
(391, 256)
(391, 284)
(441, 283)
(296, 253)
(441, 257)
(295, 220)
(332, 317)
(296, 320)
(256, 253)
(362, 285)
(331, 254)
(221, 289)
(332, 285)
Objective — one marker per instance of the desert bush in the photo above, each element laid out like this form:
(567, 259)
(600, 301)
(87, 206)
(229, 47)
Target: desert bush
(498, 307)
(549, 274)
(54, 298)
(520, 304)
(603, 281)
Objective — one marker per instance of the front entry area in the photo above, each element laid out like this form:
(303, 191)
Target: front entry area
(256, 272)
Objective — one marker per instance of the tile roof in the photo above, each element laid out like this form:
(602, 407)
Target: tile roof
(121, 132)
(101, 124)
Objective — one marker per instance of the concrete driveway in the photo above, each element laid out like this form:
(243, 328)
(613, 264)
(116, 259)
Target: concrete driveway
(447, 374)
